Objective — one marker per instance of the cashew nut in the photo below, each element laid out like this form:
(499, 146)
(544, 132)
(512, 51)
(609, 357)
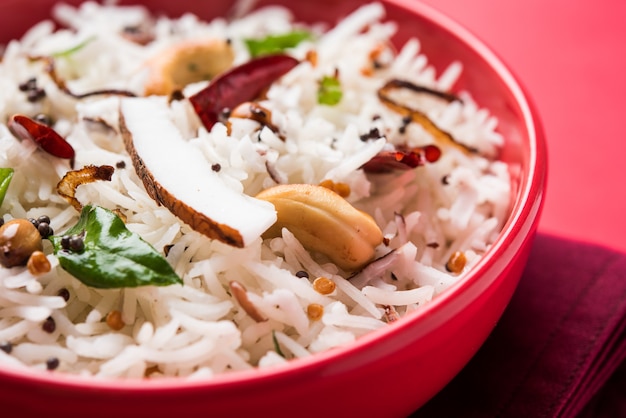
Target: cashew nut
(188, 62)
(324, 222)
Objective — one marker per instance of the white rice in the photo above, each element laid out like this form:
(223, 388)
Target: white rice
(198, 330)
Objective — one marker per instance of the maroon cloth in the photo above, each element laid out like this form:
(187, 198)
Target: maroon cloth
(559, 349)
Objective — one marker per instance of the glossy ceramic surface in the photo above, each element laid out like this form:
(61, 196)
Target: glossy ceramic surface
(387, 373)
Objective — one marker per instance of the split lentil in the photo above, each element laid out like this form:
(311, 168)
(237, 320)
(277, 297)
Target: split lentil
(114, 320)
(457, 262)
(315, 311)
(323, 285)
(342, 189)
(38, 263)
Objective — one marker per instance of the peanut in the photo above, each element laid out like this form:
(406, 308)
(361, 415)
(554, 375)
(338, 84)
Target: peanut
(188, 62)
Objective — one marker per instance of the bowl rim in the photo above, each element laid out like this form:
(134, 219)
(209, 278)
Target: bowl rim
(526, 208)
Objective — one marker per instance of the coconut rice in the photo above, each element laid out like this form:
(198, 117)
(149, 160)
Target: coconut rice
(199, 329)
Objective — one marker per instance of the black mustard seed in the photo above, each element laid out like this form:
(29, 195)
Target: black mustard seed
(49, 325)
(52, 363)
(64, 293)
(6, 346)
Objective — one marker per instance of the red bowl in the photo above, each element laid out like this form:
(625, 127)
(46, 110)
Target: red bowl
(390, 372)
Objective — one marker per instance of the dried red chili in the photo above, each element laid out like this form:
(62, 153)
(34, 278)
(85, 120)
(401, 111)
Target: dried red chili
(402, 158)
(240, 84)
(44, 136)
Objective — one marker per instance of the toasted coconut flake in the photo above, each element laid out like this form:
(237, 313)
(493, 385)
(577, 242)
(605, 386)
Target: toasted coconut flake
(88, 174)
(181, 179)
(60, 82)
(99, 123)
(414, 115)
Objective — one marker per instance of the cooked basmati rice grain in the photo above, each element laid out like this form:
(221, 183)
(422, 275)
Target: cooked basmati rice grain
(198, 329)
(285, 342)
(399, 297)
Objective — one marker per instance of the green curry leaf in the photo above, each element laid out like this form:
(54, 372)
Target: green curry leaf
(6, 174)
(329, 91)
(113, 256)
(273, 44)
(69, 51)
(276, 345)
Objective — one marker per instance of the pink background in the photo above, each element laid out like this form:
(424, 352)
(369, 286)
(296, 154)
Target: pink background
(571, 57)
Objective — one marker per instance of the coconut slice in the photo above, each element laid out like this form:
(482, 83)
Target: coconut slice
(177, 176)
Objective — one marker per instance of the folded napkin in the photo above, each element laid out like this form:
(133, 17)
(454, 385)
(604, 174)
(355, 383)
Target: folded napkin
(559, 349)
